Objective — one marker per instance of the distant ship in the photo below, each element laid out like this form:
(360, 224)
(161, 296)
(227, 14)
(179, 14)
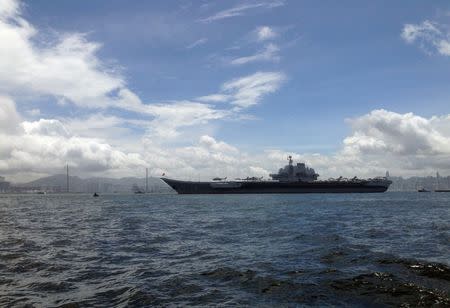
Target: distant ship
(289, 179)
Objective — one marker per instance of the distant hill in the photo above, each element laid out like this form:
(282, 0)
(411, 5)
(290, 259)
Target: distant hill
(57, 183)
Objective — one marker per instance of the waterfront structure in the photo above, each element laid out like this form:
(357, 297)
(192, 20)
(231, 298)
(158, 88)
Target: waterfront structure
(4, 185)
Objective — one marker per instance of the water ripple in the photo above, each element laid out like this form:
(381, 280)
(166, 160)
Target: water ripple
(170, 250)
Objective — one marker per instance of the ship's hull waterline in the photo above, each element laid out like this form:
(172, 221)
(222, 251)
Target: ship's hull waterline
(272, 187)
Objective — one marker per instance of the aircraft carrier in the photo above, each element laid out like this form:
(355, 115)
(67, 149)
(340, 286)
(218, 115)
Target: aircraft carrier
(290, 179)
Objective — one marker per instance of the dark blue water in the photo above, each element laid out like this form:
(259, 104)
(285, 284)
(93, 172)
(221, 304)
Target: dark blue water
(265, 250)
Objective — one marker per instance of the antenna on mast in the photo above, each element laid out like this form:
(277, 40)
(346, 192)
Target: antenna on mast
(290, 159)
(146, 180)
(67, 178)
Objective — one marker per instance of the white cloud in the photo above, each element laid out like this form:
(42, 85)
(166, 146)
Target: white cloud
(92, 123)
(405, 144)
(125, 133)
(69, 69)
(207, 158)
(169, 118)
(265, 33)
(9, 118)
(443, 47)
(249, 90)
(197, 43)
(242, 9)
(34, 112)
(219, 146)
(383, 131)
(44, 147)
(241, 93)
(8, 8)
(411, 32)
(269, 53)
(214, 98)
(45, 127)
(429, 36)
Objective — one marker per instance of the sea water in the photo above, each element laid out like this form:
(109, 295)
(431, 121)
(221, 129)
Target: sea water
(258, 250)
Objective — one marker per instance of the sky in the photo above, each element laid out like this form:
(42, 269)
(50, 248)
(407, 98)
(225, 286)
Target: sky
(199, 89)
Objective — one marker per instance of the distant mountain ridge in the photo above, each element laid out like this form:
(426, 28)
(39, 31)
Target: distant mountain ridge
(57, 183)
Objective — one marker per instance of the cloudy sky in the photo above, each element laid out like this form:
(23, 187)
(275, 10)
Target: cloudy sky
(198, 89)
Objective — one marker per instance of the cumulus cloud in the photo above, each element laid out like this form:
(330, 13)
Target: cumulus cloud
(429, 35)
(405, 144)
(243, 9)
(269, 53)
(9, 118)
(220, 146)
(44, 146)
(125, 132)
(383, 131)
(8, 8)
(45, 127)
(401, 142)
(209, 157)
(265, 33)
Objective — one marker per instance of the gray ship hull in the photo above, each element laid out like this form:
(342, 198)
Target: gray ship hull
(273, 187)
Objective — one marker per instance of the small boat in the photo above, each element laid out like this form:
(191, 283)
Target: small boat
(96, 195)
(442, 190)
(423, 190)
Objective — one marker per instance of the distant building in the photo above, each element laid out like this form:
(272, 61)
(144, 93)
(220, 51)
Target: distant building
(107, 188)
(4, 185)
(92, 187)
(415, 183)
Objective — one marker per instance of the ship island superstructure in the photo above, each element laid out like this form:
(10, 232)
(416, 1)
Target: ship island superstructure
(295, 173)
(291, 178)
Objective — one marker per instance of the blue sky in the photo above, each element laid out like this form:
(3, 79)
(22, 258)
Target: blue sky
(334, 61)
(342, 59)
